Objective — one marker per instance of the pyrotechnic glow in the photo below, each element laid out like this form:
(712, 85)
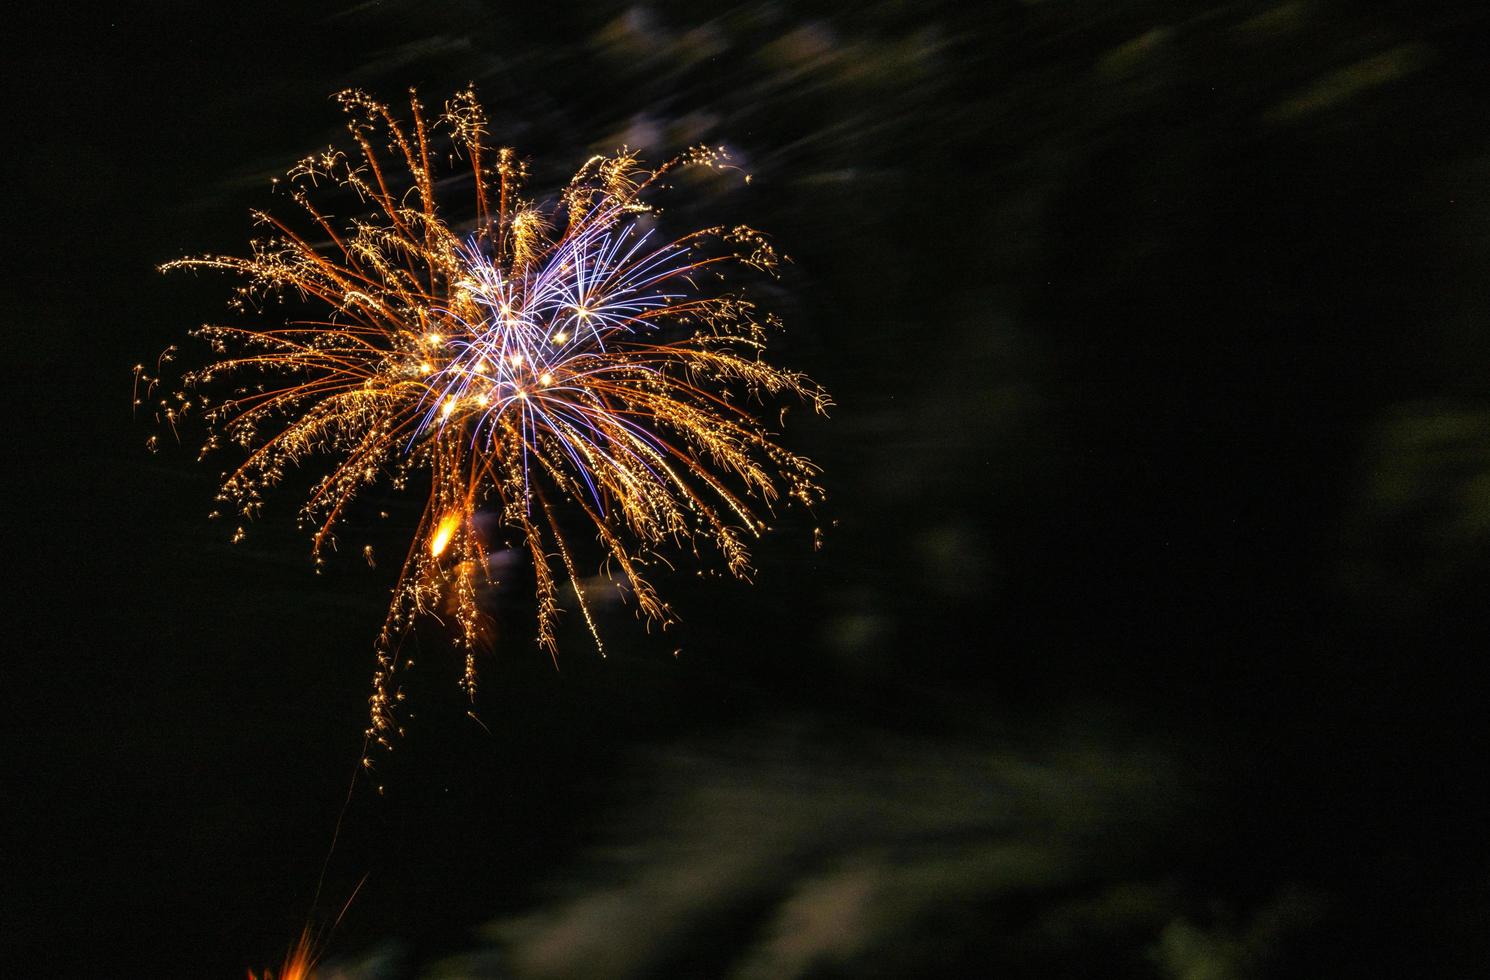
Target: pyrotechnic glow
(298, 964)
(546, 358)
(443, 533)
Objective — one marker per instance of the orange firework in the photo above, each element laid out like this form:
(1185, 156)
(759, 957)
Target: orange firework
(541, 358)
(299, 963)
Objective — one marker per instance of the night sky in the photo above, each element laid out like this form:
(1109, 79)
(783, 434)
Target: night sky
(1148, 634)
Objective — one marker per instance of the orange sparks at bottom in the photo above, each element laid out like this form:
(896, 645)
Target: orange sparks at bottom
(298, 963)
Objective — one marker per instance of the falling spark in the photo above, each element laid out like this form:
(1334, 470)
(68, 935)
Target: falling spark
(554, 358)
(443, 534)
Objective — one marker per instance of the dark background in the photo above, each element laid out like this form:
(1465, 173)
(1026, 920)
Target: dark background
(1148, 636)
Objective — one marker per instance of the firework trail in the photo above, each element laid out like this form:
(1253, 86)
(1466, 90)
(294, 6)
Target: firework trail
(542, 360)
(299, 963)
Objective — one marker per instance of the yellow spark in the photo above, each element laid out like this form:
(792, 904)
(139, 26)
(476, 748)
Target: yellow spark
(443, 533)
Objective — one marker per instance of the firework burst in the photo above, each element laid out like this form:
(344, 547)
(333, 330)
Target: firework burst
(539, 360)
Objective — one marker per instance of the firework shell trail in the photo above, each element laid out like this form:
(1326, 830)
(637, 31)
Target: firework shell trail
(554, 363)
